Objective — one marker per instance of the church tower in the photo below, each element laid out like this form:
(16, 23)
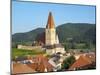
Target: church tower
(51, 37)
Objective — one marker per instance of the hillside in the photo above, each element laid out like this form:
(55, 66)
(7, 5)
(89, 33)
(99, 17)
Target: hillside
(76, 31)
(27, 37)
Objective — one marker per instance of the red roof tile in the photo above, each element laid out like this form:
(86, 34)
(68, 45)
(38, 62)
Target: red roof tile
(82, 61)
(18, 68)
(41, 63)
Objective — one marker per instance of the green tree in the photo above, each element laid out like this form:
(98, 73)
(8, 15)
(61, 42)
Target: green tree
(68, 62)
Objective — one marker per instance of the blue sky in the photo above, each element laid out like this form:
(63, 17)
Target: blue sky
(30, 15)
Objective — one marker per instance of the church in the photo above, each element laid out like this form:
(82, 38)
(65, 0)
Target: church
(48, 40)
(52, 44)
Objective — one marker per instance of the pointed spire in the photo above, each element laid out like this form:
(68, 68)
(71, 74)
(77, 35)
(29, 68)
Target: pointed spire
(50, 23)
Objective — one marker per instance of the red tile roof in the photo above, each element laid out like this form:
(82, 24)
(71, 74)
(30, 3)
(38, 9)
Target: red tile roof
(81, 62)
(91, 56)
(33, 66)
(41, 63)
(18, 68)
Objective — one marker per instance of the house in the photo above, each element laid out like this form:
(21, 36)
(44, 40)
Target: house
(83, 62)
(24, 60)
(41, 64)
(56, 61)
(19, 68)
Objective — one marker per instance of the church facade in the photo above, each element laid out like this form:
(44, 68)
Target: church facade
(52, 44)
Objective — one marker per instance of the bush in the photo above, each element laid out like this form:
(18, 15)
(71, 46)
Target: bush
(68, 62)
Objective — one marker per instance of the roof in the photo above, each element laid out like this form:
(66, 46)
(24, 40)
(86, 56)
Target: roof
(41, 58)
(49, 47)
(33, 66)
(21, 58)
(54, 46)
(45, 65)
(81, 62)
(58, 46)
(91, 56)
(50, 23)
(18, 68)
(41, 63)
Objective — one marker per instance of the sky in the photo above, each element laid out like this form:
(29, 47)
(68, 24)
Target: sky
(27, 16)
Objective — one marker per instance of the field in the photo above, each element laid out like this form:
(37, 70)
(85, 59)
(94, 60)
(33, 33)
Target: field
(22, 52)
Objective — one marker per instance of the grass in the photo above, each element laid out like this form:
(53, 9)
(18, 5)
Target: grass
(22, 52)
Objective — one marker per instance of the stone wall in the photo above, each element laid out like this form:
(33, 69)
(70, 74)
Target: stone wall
(55, 50)
(29, 47)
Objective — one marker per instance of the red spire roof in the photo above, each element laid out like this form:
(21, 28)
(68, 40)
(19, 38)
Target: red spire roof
(50, 23)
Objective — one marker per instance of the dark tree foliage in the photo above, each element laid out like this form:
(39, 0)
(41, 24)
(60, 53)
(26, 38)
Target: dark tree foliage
(68, 62)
